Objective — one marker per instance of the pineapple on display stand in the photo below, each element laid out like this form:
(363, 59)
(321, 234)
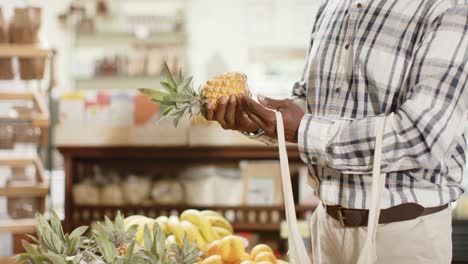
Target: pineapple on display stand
(182, 100)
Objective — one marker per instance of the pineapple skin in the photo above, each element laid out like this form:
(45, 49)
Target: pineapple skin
(227, 84)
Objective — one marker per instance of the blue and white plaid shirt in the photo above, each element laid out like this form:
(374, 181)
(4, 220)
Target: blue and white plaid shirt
(407, 59)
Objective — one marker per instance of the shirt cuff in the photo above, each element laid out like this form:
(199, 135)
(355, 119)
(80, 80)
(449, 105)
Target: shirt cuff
(314, 135)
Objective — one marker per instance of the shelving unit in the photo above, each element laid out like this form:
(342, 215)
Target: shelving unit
(124, 38)
(121, 32)
(263, 219)
(41, 120)
(117, 82)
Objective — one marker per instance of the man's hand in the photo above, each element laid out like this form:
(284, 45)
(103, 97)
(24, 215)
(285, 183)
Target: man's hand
(266, 118)
(231, 115)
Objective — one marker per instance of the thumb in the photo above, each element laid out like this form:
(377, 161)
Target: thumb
(270, 103)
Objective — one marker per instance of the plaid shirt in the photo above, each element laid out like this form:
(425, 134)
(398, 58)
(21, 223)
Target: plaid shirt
(406, 59)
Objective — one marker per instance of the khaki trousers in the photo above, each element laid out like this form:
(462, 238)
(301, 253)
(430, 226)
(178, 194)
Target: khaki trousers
(427, 239)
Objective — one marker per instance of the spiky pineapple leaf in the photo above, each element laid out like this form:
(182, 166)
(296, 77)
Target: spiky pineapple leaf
(181, 76)
(169, 87)
(168, 111)
(154, 94)
(170, 79)
(129, 253)
(78, 232)
(57, 225)
(185, 83)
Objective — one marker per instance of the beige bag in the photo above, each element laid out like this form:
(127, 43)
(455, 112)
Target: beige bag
(6, 68)
(297, 251)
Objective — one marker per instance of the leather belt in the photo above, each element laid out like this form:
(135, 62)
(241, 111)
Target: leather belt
(358, 217)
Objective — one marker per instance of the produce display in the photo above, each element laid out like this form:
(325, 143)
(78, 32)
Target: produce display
(182, 100)
(231, 249)
(108, 243)
(201, 237)
(200, 227)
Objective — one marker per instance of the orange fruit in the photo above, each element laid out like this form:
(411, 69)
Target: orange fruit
(247, 262)
(265, 262)
(265, 256)
(213, 248)
(260, 248)
(231, 248)
(215, 259)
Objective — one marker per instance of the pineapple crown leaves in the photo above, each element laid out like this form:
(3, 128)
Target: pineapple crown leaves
(116, 232)
(187, 254)
(156, 251)
(52, 245)
(179, 96)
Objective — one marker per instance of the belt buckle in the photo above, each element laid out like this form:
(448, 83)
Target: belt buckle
(341, 218)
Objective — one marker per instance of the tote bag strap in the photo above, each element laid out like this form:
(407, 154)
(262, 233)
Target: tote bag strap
(297, 251)
(368, 252)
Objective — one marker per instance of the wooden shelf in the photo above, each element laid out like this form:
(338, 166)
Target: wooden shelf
(117, 82)
(179, 152)
(272, 215)
(40, 121)
(181, 207)
(16, 96)
(18, 226)
(18, 161)
(38, 190)
(118, 39)
(22, 51)
(42, 118)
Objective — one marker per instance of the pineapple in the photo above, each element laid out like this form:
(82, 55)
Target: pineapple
(116, 234)
(52, 245)
(224, 85)
(182, 100)
(110, 243)
(156, 250)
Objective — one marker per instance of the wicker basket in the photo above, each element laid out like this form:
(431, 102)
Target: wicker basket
(24, 29)
(6, 68)
(7, 138)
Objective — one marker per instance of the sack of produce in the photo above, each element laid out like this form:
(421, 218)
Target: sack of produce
(167, 192)
(229, 187)
(136, 189)
(111, 192)
(24, 29)
(86, 193)
(199, 185)
(6, 68)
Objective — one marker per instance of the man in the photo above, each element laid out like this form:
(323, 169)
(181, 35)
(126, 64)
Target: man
(406, 59)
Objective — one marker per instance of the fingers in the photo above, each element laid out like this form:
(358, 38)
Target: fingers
(253, 107)
(265, 118)
(230, 117)
(221, 111)
(209, 111)
(272, 103)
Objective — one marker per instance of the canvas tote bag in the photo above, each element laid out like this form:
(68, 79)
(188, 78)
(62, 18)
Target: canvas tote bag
(297, 251)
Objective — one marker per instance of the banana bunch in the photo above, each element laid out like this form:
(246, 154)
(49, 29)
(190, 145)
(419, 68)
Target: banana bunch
(202, 227)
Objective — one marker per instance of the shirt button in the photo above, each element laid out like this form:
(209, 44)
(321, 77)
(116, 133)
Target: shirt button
(346, 12)
(359, 5)
(338, 90)
(346, 46)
